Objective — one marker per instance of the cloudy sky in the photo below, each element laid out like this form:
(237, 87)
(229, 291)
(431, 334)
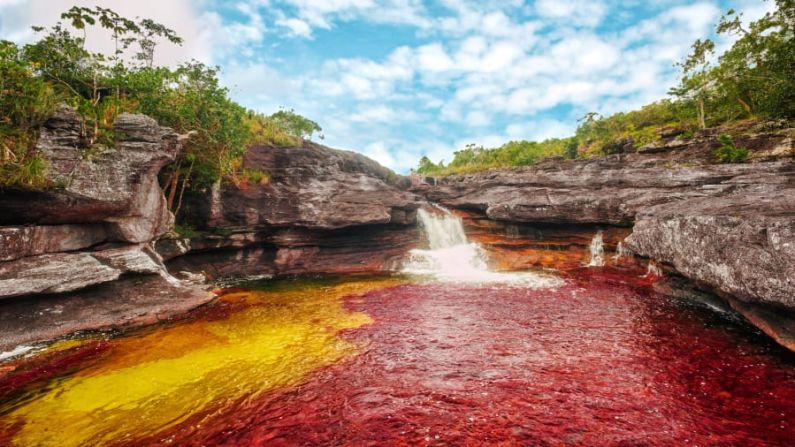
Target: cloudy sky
(398, 79)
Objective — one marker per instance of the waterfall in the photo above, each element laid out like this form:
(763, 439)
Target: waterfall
(597, 251)
(452, 257)
(653, 270)
(621, 253)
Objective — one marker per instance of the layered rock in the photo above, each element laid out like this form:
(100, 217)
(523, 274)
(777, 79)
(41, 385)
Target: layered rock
(730, 228)
(308, 186)
(321, 211)
(520, 246)
(96, 222)
(116, 185)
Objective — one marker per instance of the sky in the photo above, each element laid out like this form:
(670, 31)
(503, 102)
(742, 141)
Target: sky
(399, 79)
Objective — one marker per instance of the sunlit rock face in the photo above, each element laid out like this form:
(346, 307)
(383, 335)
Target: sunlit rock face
(321, 210)
(93, 225)
(116, 186)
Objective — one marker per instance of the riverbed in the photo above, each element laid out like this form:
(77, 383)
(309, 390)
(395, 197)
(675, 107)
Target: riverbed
(594, 357)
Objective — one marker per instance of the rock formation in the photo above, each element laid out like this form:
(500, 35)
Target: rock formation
(97, 221)
(320, 211)
(730, 228)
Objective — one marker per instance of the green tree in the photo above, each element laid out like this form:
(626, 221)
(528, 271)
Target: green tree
(696, 77)
(295, 124)
(426, 166)
(572, 147)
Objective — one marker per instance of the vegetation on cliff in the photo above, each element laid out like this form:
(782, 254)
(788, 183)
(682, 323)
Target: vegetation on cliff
(59, 68)
(754, 79)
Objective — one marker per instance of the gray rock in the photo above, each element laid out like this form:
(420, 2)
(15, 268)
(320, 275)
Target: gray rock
(742, 245)
(22, 241)
(114, 185)
(130, 301)
(310, 186)
(53, 273)
(169, 248)
(66, 272)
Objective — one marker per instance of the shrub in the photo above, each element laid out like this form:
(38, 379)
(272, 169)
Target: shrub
(185, 230)
(727, 152)
(249, 176)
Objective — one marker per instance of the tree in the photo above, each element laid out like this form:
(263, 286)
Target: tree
(295, 124)
(426, 166)
(696, 77)
(757, 71)
(571, 148)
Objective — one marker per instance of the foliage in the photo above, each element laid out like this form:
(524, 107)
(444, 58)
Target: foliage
(295, 124)
(754, 78)
(572, 149)
(58, 68)
(187, 231)
(248, 176)
(728, 152)
(25, 102)
(476, 158)
(264, 130)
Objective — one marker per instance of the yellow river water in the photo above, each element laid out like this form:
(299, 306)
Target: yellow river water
(152, 380)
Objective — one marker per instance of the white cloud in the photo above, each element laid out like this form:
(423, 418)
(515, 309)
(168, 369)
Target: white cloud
(297, 27)
(577, 12)
(379, 152)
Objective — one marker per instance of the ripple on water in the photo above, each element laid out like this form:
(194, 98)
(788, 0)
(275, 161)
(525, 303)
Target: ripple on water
(597, 360)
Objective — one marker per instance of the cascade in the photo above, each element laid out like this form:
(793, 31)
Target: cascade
(452, 257)
(597, 251)
(653, 270)
(621, 253)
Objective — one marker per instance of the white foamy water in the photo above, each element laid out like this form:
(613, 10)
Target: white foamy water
(597, 251)
(451, 257)
(622, 252)
(19, 350)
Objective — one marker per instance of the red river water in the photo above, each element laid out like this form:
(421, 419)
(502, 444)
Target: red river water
(598, 360)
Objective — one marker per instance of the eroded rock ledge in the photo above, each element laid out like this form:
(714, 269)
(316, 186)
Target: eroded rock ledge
(728, 228)
(321, 211)
(71, 244)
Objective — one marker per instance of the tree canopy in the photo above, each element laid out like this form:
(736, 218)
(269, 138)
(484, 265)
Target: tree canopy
(59, 68)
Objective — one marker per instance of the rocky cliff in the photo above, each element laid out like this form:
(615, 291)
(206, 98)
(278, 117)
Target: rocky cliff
(92, 229)
(730, 228)
(320, 210)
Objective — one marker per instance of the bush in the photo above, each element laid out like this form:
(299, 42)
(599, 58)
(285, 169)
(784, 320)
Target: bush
(727, 152)
(57, 68)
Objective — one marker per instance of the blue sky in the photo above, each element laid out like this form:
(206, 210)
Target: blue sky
(399, 79)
